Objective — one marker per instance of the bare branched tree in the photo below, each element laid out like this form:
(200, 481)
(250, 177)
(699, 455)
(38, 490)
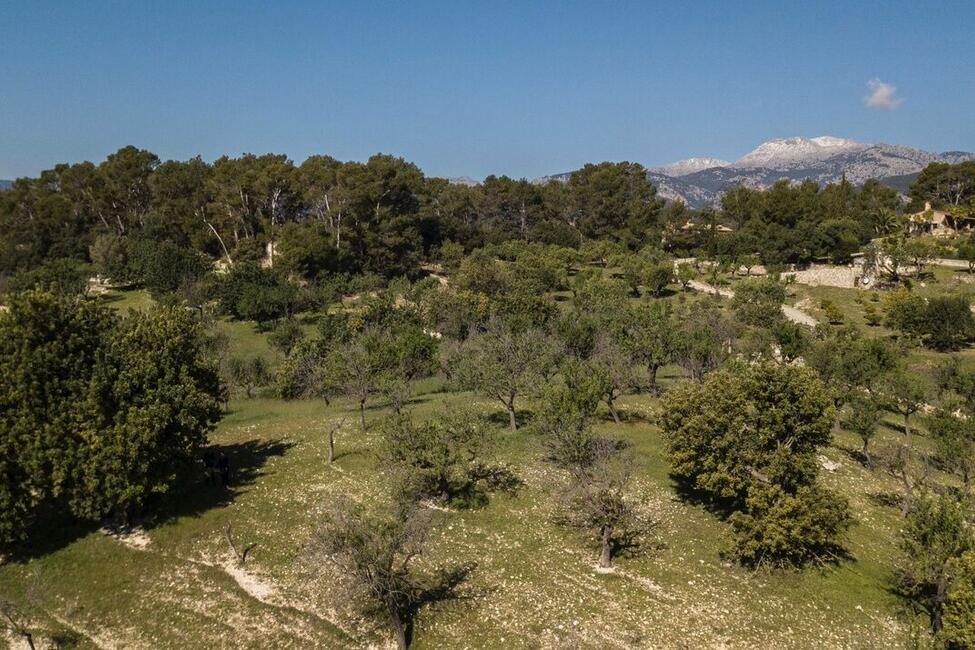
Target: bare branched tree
(18, 617)
(375, 552)
(595, 498)
(334, 428)
(240, 555)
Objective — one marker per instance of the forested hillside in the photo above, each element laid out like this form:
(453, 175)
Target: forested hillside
(339, 404)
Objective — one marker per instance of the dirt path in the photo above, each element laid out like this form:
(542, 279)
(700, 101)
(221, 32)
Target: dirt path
(791, 313)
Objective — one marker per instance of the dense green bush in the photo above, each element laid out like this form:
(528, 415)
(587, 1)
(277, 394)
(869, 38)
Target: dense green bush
(942, 322)
(795, 528)
(61, 276)
(958, 617)
(440, 458)
(96, 411)
(165, 267)
(160, 266)
(251, 292)
(285, 336)
(934, 540)
(746, 437)
(759, 302)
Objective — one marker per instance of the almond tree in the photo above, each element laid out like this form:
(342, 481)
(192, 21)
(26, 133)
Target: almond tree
(904, 393)
(376, 360)
(614, 369)
(375, 553)
(595, 499)
(598, 468)
(503, 363)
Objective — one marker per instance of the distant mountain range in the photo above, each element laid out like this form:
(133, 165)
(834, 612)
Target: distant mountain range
(5, 184)
(699, 182)
(463, 180)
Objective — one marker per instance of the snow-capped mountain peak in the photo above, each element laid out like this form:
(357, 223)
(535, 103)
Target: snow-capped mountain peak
(689, 166)
(699, 182)
(836, 143)
(797, 151)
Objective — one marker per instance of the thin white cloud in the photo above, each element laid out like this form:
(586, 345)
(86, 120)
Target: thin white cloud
(883, 96)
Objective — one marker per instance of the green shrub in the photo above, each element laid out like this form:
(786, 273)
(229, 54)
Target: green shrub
(285, 336)
(759, 302)
(958, 618)
(942, 322)
(746, 437)
(62, 276)
(782, 528)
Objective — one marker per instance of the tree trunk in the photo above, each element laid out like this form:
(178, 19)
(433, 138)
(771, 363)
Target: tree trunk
(362, 414)
(652, 377)
(398, 627)
(939, 601)
(219, 239)
(908, 502)
(331, 447)
(512, 420)
(604, 556)
(612, 410)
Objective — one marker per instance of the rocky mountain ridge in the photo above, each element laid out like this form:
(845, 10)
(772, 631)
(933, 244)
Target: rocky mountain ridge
(824, 159)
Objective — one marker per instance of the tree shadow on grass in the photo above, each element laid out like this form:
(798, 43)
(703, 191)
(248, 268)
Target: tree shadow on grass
(688, 493)
(443, 586)
(638, 538)
(487, 479)
(627, 415)
(54, 527)
(201, 490)
(500, 417)
(886, 499)
(857, 456)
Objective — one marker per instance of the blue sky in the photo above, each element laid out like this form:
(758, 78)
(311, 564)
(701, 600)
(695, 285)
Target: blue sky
(464, 88)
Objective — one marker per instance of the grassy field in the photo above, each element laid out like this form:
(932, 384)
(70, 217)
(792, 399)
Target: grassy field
(172, 583)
